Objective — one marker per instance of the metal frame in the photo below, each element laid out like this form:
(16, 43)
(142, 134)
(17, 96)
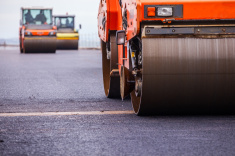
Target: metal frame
(190, 30)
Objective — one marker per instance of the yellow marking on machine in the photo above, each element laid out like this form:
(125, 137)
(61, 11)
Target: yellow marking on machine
(133, 54)
(67, 35)
(68, 38)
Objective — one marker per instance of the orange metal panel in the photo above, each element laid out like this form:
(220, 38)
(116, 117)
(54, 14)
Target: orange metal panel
(101, 14)
(120, 56)
(131, 7)
(192, 10)
(115, 15)
(40, 32)
(198, 9)
(110, 11)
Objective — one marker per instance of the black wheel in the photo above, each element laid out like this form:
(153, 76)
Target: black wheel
(21, 49)
(111, 78)
(127, 84)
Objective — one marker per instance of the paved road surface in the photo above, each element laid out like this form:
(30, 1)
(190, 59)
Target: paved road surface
(53, 104)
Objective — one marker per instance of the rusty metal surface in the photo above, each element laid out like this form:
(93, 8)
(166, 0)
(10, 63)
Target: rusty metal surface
(111, 81)
(40, 45)
(66, 44)
(185, 75)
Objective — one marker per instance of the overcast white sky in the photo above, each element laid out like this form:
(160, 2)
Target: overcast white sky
(85, 10)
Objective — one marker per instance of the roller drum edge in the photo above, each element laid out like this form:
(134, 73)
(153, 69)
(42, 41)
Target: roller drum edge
(187, 75)
(40, 45)
(111, 83)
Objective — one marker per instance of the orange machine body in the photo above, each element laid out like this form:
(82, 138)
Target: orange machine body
(35, 33)
(109, 18)
(40, 32)
(191, 10)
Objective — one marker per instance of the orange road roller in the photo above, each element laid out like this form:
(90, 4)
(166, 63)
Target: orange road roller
(37, 33)
(169, 56)
(67, 36)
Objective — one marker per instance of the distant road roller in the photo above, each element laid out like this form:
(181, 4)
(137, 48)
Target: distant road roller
(37, 33)
(67, 36)
(170, 56)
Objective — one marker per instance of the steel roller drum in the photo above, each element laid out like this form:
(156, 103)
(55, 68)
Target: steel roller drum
(67, 44)
(40, 45)
(187, 75)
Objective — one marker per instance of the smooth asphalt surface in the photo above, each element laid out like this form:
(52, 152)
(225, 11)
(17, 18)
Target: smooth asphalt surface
(71, 81)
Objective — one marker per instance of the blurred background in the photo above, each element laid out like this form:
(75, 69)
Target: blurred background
(85, 11)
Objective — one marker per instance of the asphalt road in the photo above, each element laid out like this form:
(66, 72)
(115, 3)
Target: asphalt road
(53, 104)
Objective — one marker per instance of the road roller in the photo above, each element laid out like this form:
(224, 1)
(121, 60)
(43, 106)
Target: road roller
(37, 33)
(67, 35)
(172, 57)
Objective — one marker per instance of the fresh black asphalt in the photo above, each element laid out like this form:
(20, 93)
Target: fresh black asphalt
(71, 81)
